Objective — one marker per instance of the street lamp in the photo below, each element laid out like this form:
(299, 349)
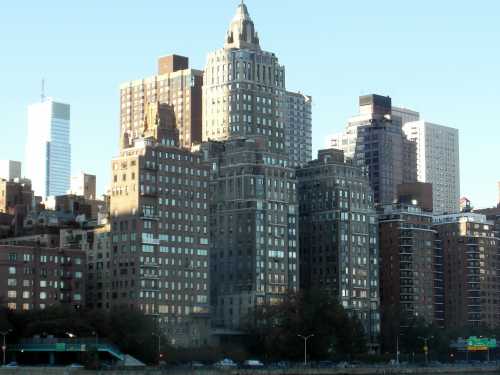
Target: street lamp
(159, 346)
(426, 347)
(4, 346)
(305, 338)
(70, 335)
(94, 333)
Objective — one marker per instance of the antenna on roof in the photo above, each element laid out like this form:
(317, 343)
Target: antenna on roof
(42, 95)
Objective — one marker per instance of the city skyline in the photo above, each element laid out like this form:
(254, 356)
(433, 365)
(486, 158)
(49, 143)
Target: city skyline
(95, 66)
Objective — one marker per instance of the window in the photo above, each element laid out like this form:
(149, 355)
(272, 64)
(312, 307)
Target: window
(12, 294)
(43, 295)
(11, 282)
(12, 270)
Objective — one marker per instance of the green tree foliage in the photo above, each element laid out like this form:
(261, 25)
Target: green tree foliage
(274, 332)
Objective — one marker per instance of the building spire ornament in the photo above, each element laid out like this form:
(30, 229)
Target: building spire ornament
(241, 33)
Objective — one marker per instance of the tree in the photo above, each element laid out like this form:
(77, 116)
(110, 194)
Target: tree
(336, 334)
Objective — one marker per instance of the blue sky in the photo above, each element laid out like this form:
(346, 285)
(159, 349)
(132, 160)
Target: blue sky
(441, 58)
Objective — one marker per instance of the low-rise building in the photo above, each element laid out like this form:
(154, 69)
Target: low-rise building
(36, 277)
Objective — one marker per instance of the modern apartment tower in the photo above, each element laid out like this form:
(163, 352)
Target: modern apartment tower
(438, 162)
(175, 84)
(159, 227)
(375, 140)
(471, 258)
(411, 269)
(298, 128)
(253, 212)
(48, 149)
(338, 235)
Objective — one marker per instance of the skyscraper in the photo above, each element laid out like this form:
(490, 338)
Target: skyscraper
(375, 140)
(244, 88)
(411, 269)
(253, 212)
(298, 128)
(48, 149)
(159, 228)
(338, 235)
(438, 162)
(175, 84)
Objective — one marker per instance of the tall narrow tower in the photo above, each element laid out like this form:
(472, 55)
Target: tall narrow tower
(253, 221)
(48, 149)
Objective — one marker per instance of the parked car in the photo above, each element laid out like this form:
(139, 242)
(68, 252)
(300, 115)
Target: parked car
(226, 363)
(11, 364)
(253, 363)
(76, 365)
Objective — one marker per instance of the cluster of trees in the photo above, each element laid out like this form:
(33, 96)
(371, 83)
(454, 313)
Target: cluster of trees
(130, 330)
(273, 335)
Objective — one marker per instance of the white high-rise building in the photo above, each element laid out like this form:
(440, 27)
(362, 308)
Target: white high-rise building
(48, 149)
(10, 169)
(438, 162)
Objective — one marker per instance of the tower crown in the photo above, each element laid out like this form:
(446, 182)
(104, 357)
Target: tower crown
(241, 33)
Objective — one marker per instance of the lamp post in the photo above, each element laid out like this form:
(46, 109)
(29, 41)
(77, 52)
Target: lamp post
(397, 349)
(305, 338)
(94, 333)
(159, 345)
(4, 346)
(426, 347)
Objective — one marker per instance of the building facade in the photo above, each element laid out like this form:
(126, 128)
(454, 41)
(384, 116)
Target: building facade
(438, 162)
(298, 128)
(35, 277)
(176, 85)
(84, 185)
(48, 149)
(471, 254)
(16, 196)
(159, 230)
(375, 140)
(10, 170)
(411, 269)
(253, 229)
(338, 235)
(405, 115)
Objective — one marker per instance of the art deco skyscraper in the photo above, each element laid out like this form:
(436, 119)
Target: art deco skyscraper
(253, 207)
(48, 149)
(244, 88)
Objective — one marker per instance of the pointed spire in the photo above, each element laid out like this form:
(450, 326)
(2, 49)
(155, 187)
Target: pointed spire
(241, 33)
